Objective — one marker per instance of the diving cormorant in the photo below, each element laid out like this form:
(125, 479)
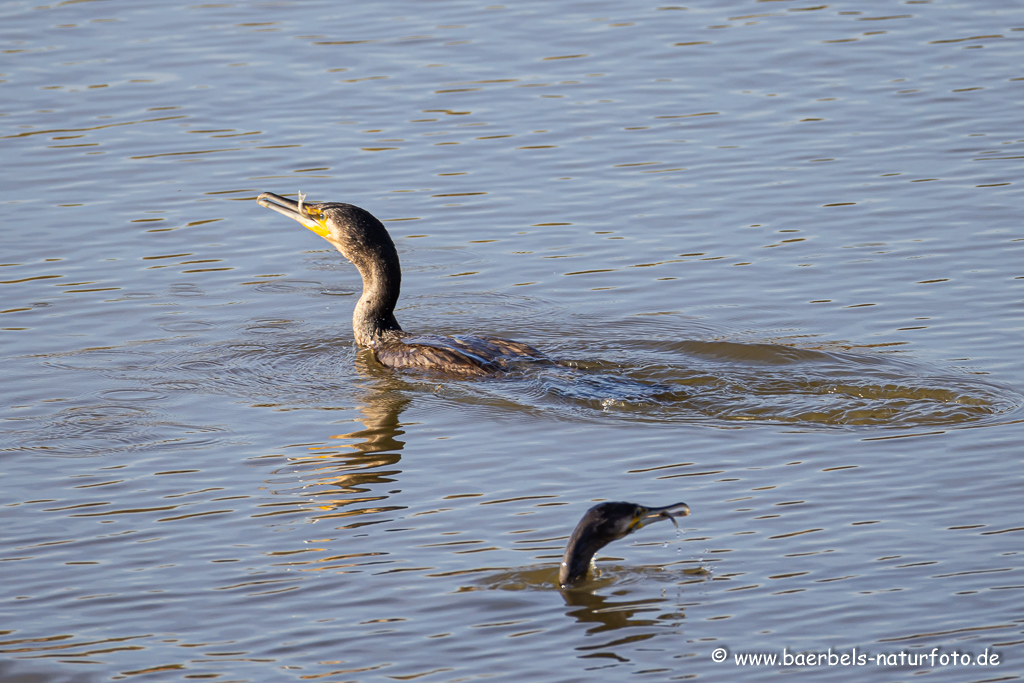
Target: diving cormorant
(602, 524)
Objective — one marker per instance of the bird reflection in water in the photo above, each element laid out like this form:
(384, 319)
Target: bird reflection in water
(346, 484)
(611, 615)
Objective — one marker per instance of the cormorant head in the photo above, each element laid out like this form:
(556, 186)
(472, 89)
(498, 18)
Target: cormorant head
(604, 523)
(353, 231)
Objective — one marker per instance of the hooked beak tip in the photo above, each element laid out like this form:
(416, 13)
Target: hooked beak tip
(669, 512)
(294, 210)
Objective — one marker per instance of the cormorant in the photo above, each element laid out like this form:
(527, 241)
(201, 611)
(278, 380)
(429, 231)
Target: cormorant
(364, 241)
(602, 524)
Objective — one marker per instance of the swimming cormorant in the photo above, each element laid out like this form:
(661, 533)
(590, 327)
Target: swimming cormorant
(602, 524)
(364, 241)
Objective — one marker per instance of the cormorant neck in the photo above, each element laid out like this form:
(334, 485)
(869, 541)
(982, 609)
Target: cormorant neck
(374, 317)
(363, 240)
(577, 558)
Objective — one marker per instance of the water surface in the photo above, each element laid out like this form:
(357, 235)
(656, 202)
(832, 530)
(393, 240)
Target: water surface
(775, 249)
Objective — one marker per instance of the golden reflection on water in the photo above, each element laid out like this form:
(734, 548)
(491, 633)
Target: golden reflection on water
(342, 480)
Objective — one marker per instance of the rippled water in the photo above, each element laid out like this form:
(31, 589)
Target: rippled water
(773, 251)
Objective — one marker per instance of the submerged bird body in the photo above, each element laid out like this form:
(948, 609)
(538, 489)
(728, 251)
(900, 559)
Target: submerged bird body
(602, 524)
(363, 240)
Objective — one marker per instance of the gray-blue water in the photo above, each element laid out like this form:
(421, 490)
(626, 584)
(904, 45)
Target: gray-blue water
(776, 248)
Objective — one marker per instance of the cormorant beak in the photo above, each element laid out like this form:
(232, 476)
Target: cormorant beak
(307, 214)
(651, 515)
